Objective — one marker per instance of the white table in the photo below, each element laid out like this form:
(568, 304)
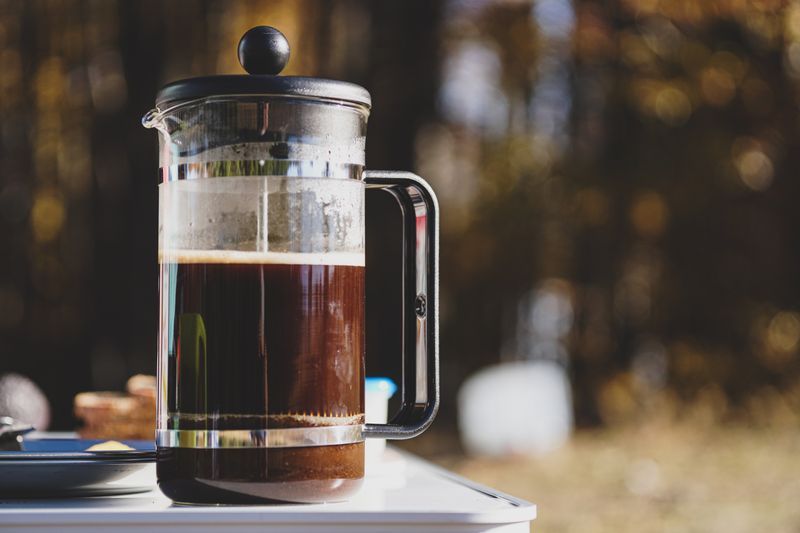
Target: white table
(400, 493)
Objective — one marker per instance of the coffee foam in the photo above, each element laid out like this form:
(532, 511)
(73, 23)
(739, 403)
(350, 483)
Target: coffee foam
(233, 257)
(280, 420)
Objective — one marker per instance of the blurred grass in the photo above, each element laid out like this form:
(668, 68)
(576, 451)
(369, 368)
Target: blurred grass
(656, 477)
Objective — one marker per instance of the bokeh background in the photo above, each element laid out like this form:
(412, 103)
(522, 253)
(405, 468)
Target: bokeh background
(617, 183)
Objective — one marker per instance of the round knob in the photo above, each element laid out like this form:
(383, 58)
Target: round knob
(263, 50)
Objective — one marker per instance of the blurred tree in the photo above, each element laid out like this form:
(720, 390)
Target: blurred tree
(634, 155)
(663, 200)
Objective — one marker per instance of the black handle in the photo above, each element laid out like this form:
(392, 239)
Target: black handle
(419, 392)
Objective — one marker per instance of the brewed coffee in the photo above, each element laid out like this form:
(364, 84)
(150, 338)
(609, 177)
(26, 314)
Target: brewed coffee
(262, 341)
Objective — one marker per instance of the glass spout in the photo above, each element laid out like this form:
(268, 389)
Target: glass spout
(153, 119)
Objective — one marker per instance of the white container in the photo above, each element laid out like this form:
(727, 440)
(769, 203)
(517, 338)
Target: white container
(377, 392)
(516, 408)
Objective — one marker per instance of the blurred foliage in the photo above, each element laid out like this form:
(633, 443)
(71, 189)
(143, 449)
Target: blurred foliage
(645, 159)
(631, 161)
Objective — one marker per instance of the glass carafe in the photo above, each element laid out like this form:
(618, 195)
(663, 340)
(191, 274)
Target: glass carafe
(261, 308)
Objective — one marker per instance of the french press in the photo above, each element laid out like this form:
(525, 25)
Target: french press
(261, 279)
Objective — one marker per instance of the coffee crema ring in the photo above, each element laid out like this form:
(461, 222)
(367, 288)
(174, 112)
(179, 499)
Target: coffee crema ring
(313, 420)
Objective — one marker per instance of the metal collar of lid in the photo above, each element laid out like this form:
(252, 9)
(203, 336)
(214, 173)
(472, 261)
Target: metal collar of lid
(249, 84)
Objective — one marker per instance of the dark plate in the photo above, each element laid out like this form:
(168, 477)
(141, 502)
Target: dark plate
(48, 468)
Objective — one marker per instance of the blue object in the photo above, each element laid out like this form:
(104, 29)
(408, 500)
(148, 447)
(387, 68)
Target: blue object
(380, 385)
(80, 445)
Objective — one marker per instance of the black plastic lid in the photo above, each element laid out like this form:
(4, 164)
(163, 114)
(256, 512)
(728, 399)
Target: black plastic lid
(263, 52)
